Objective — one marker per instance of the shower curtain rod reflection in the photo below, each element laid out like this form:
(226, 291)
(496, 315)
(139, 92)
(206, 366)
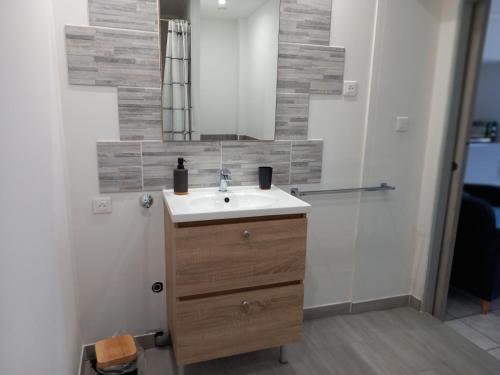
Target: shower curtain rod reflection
(168, 19)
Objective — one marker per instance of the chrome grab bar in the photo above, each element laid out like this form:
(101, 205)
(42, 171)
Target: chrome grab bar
(384, 186)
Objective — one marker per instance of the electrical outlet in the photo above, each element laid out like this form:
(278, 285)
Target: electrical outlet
(102, 205)
(402, 124)
(350, 89)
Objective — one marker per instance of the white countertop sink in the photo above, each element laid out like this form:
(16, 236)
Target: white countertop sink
(238, 202)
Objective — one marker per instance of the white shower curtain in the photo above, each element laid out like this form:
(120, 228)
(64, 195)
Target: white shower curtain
(177, 82)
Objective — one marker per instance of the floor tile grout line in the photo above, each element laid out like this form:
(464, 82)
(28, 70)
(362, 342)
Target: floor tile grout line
(473, 342)
(474, 329)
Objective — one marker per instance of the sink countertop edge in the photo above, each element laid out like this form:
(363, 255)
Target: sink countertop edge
(303, 208)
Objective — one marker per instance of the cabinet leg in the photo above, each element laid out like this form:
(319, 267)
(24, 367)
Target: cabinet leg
(283, 355)
(485, 306)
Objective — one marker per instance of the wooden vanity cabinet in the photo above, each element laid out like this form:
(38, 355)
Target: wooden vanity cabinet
(234, 286)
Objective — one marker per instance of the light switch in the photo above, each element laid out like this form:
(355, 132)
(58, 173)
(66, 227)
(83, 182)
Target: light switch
(402, 124)
(350, 89)
(102, 205)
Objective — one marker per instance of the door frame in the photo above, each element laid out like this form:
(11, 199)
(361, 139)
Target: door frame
(472, 35)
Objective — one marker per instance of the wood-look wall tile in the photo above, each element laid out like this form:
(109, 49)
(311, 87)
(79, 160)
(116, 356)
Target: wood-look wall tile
(139, 113)
(100, 56)
(292, 116)
(244, 158)
(307, 160)
(310, 69)
(124, 14)
(160, 159)
(305, 21)
(119, 166)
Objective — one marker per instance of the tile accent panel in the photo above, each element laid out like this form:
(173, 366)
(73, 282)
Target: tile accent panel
(159, 160)
(307, 64)
(243, 159)
(310, 69)
(119, 166)
(135, 166)
(305, 21)
(292, 116)
(306, 162)
(112, 57)
(124, 14)
(139, 112)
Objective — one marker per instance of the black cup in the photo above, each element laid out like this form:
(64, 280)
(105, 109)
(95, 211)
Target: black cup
(265, 177)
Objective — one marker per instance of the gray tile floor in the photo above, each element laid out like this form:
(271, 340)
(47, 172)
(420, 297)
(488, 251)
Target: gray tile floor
(392, 342)
(464, 316)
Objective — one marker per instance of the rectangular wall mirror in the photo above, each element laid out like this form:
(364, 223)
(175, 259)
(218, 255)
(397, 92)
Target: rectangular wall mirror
(219, 69)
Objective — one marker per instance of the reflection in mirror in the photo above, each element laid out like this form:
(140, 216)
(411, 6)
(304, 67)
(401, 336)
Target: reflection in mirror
(220, 69)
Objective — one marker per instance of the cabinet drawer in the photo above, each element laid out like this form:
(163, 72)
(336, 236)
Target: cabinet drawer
(232, 256)
(229, 324)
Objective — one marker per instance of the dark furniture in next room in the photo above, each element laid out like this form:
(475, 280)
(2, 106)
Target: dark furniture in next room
(476, 262)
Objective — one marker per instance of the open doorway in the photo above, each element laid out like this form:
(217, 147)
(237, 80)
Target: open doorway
(467, 284)
(475, 272)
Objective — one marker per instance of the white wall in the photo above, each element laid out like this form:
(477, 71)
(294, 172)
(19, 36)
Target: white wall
(238, 73)
(219, 56)
(117, 256)
(483, 164)
(38, 318)
(359, 247)
(340, 123)
(403, 72)
(447, 44)
(488, 92)
(258, 40)
(363, 246)
(492, 45)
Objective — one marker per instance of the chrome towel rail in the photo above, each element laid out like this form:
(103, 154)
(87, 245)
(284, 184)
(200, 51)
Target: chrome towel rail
(384, 186)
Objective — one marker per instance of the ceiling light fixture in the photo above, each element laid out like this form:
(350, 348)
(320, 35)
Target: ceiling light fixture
(222, 4)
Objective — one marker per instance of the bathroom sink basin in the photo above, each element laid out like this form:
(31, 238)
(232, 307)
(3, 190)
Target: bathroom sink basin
(234, 200)
(238, 202)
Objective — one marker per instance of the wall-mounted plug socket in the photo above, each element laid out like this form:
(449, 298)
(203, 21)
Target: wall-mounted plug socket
(350, 89)
(102, 205)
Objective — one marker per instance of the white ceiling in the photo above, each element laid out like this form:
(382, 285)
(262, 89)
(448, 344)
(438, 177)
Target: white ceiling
(234, 8)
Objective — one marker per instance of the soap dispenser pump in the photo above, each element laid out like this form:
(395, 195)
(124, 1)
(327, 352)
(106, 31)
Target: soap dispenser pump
(180, 178)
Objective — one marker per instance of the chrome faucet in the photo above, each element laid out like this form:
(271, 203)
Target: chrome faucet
(225, 177)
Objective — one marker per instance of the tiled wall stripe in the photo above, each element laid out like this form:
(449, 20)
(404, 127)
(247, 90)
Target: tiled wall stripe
(99, 56)
(244, 158)
(310, 69)
(135, 166)
(305, 21)
(119, 166)
(139, 113)
(121, 49)
(307, 64)
(292, 116)
(306, 163)
(159, 159)
(124, 14)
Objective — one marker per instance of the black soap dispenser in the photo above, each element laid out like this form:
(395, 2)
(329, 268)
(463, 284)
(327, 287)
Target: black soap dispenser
(180, 178)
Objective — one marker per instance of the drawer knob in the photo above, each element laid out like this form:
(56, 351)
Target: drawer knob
(246, 306)
(246, 234)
